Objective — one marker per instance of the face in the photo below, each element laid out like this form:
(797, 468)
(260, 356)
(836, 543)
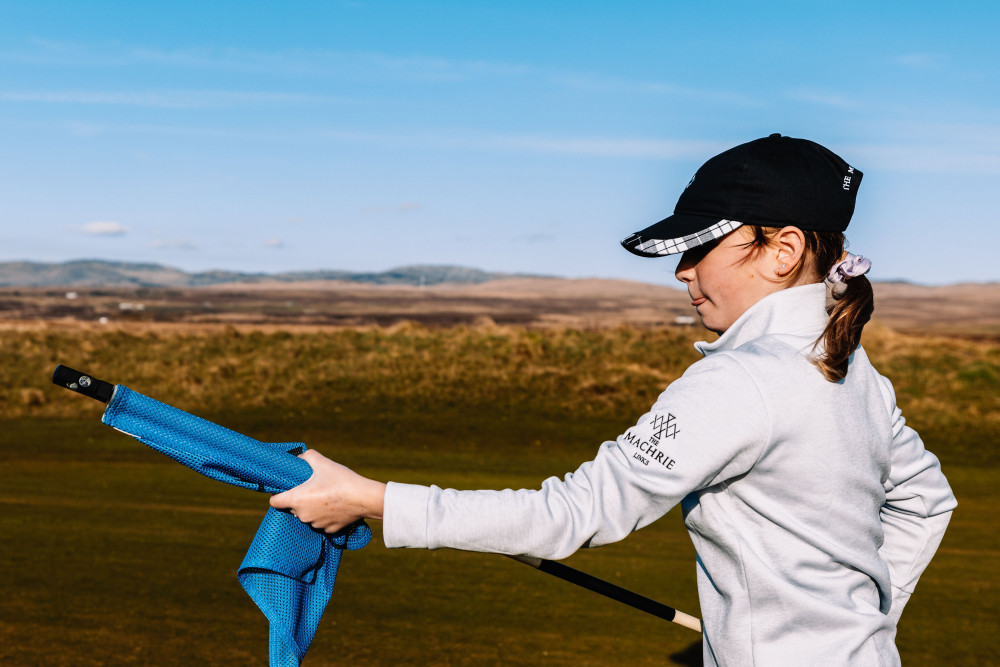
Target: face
(724, 279)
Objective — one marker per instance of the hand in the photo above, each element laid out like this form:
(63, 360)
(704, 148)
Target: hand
(333, 497)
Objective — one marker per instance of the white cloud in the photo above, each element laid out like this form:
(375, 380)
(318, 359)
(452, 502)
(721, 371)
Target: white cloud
(595, 146)
(540, 237)
(928, 62)
(104, 228)
(173, 244)
(931, 147)
(927, 158)
(607, 147)
(600, 84)
(286, 62)
(78, 129)
(274, 243)
(164, 99)
(325, 64)
(405, 207)
(823, 98)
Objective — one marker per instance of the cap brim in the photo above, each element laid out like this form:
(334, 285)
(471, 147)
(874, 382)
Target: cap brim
(676, 234)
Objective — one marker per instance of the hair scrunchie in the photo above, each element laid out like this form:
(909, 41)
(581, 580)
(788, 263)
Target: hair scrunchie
(851, 266)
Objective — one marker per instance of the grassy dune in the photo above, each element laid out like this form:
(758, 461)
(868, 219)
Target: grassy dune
(112, 554)
(947, 388)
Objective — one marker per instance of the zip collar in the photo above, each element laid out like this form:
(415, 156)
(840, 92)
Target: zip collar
(797, 311)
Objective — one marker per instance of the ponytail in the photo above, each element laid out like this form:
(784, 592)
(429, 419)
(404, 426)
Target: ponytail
(850, 305)
(850, 299)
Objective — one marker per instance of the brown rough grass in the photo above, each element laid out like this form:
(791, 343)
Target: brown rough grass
(949, 389)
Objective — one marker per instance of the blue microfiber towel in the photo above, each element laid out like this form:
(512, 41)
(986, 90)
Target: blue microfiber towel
(289, 570)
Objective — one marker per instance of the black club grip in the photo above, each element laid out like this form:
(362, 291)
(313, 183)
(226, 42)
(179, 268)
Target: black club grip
(82, 383)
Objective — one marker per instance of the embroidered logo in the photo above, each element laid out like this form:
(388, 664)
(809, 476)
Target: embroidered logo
(847, 179)
(664, 427)
(648, 440)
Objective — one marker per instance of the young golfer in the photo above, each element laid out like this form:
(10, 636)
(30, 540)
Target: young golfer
(812, 506)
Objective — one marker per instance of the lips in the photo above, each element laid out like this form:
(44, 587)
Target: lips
(697, 302)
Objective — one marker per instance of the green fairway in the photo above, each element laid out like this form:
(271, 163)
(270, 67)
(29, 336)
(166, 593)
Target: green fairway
(131, 558)
(112, 554)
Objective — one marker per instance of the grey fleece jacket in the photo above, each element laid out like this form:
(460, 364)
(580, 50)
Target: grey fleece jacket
(812, 506)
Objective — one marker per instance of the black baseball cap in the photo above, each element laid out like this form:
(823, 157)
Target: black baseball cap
(772, 182)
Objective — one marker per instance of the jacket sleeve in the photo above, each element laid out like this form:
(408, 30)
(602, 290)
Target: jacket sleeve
(918, 506)
(707, 426)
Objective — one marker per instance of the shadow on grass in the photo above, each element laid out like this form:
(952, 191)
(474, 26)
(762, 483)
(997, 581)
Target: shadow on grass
(149, 572)
(689, 657)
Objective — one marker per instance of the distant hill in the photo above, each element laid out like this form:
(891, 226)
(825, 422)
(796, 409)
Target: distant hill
(100, 273)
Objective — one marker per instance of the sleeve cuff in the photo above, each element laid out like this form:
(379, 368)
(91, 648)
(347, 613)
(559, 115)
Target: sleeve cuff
(404, 517)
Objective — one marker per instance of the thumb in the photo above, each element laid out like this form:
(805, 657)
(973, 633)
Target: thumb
(286, 499)
(283, 500)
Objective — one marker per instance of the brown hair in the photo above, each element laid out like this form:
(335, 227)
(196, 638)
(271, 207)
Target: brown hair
(850, 303)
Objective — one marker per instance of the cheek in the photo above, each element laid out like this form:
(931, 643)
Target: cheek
(733, 289)
(724, 282)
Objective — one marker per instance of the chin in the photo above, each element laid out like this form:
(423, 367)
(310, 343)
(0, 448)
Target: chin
(705, 324)
(712, 319)
(714, 328)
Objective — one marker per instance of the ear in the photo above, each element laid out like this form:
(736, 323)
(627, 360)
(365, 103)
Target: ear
(789, 246)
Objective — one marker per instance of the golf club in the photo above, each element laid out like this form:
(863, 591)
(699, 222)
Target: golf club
(607, 589)
(87, 385)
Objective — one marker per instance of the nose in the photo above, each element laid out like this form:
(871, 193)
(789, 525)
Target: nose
(685, 268)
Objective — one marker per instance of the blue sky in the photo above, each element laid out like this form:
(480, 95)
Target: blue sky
(517, 136)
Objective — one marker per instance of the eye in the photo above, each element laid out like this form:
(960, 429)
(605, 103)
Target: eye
(695, 255)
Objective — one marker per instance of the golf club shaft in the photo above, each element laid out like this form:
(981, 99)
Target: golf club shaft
(606, 589)
(90, 386)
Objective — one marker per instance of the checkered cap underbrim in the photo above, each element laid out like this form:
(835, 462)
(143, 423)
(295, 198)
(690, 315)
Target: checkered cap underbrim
(683, 243)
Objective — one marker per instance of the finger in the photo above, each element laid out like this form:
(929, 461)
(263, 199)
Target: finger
(283, 500)
(311, 456)
(286, 499)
